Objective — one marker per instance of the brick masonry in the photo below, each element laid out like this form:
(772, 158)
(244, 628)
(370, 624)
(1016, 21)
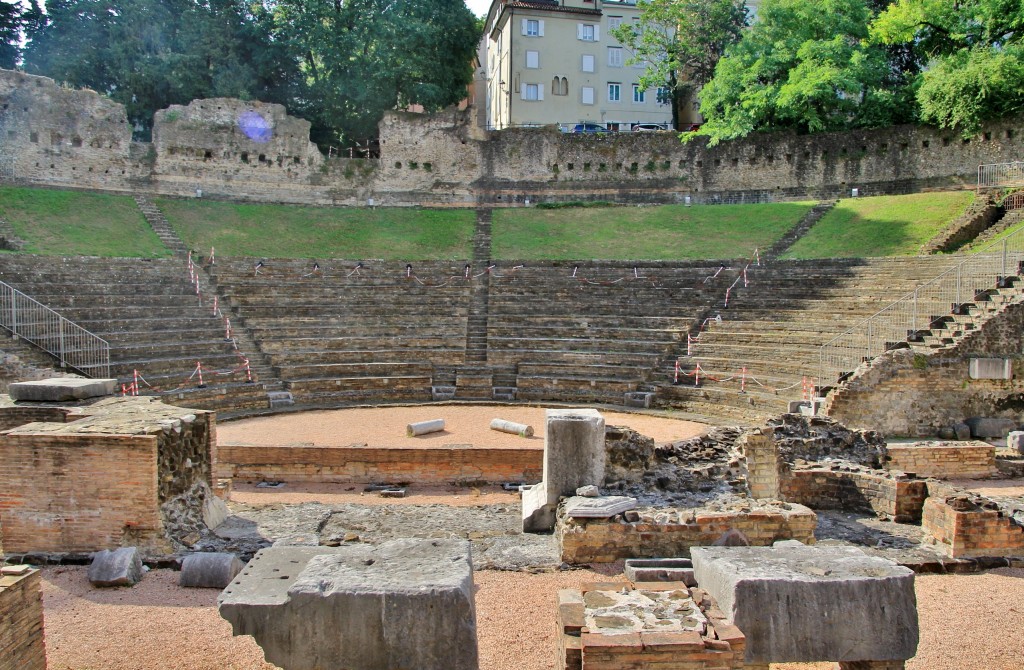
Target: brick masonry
(962, 529)
(380, 465)
(944, 460)
(896, 498)
(21, 615)
(672, 531)
(58, 136)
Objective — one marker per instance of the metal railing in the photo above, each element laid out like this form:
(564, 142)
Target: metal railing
(999, 175)
(72, 345)
(915, 311)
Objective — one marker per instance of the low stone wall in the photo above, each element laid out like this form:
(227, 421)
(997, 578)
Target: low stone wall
(659, 532)
(896, 498)
(21, 616)
(382, 465)
(944, 460)
(962, 529)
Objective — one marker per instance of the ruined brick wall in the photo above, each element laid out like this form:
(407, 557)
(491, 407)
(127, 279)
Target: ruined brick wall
(57, 136)
(21, 615)
(974, 460)
(763, 464)
(906, 394)
(64, 137)
(896, 498)
(379, 465)
(65, 493)
(671, 531)
(962, 529)
(14, 416)
(185, 454)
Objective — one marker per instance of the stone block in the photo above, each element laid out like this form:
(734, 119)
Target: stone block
(209, 570)
(61, 389)
(1015, 440)
(401, 604)
(538, 515)
(215, 511)
(990, 368)
(810, 604)
(660, 570)
(585, 507)
(961, 431)
(121, 567)
(990, 427)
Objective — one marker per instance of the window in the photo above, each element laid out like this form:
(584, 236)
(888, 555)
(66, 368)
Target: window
(588, 63)
(639, 94)
(614, 22)
(533, 28)
(559, 86)
(532, 92)
(614, 92)
(587, 95)
(588, 32)
(663, 96)
(532, 59)
(615, 56)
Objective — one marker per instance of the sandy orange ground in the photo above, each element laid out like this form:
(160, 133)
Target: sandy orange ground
(971, 622)
(386, 427)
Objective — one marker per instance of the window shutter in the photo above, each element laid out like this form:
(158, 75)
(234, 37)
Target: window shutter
(579, 31)
(540, 28)
(522, 91)
(524, 26)
(597, 33)
(540, 92)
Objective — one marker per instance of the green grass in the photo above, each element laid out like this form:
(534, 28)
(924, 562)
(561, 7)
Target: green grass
(669, 232)
(881, 226)
(54, 222)
(284, 231)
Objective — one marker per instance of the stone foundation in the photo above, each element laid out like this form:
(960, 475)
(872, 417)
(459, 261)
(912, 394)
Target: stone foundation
(700, 638)
(383, 465)
(895, 498)
(961, 528)
(659, 532)
(944, 460)
(21, 622)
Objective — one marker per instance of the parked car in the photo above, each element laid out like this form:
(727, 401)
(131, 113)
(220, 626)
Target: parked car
(588, 128)
(648, 127)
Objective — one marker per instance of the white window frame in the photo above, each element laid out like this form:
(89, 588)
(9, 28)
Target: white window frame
(614, 22)
(588, 32)
(639, 95)
(617, 89)
(587, 95)
(533, 27)
(588, 58)
(537, 91)
(532, 60)
(615, 56)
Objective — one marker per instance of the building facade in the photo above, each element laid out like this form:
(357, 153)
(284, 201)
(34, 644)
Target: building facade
(556, 62)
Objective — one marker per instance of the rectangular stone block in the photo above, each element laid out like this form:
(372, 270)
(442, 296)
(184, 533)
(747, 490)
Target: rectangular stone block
(61, 389)
(810, 604)
(990, 368)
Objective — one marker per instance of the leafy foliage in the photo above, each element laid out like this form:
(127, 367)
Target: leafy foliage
(803, 66)
(680, 42)
(14, 18)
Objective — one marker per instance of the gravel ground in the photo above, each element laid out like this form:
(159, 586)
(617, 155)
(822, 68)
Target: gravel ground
(464, 424)
(968, 622)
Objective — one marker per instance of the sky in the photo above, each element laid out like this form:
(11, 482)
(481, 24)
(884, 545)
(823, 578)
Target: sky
(478, 7)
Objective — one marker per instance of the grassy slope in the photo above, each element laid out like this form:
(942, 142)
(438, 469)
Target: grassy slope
(304, 232)
(881, 226)
(57, 222)
(642, 233)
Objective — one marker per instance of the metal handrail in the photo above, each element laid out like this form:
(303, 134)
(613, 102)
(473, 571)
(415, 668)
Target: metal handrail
(914, 312)
(998, 175)
(69, 343)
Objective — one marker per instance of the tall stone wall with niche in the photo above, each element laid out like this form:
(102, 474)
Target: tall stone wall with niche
(901, 393)
(62, 137)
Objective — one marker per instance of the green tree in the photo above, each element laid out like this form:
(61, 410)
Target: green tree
(974, 54)
(363, 57)
(14, 18)
(680, 42)
(805, 66)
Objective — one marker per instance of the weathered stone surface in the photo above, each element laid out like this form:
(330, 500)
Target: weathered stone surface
(962, 431)
(402, 604)
(990, 368)
(209, 570)
(61, 389)
(807, 604)
(215, 511)
(584, 507)
(1015, 440)
(574, 456)
(990, 427)
(121, 567)
(660, 570)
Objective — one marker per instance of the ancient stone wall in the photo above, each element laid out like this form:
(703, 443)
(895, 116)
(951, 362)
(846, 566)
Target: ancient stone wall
(902, 393)
(672, 531)
(255, 151)
(379, 465)
(944, 460)
(961, 528)
(21, 613)
(889, 497)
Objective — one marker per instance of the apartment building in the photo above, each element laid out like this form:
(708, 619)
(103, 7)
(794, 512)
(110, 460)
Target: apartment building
(556, 62)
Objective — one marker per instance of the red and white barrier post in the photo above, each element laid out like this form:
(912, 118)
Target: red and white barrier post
(248, 372)
(675, 378)
(743, 380)
(696, 375)
(215, 305)
(213, 260)
(199, 370)
(727, 292)
(227, 329)
(135, 382)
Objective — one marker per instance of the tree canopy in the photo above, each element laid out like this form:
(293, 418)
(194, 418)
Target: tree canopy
(338, 63)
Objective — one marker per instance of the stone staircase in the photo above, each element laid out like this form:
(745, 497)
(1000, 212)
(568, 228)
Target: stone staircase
(476, 323)
(799, 230)
(158, 222)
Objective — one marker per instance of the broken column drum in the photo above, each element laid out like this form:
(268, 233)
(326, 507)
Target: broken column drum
(424, 427)
(520, 429)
